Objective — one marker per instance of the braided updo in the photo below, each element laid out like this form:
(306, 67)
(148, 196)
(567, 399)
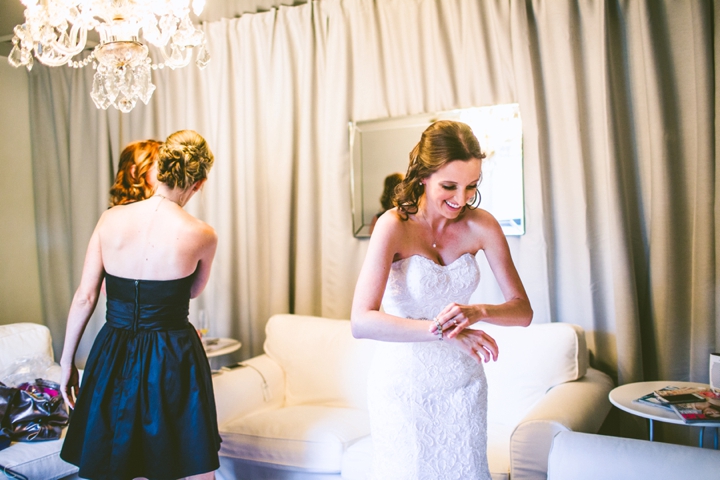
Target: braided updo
(442, 142)
(184, 159)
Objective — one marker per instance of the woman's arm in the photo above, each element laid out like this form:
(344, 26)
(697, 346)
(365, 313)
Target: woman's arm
(366, 319)
(516, 310)
(207, 240)
(82, 306)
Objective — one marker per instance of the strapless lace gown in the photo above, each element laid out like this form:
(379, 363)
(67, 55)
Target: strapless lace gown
(428, 400)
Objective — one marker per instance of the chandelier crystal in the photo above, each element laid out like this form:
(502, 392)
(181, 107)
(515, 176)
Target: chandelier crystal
(55, 31)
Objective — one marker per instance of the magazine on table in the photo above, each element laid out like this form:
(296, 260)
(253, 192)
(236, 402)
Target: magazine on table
(697, 412)
(652, 401)
(671, 394)
(692, 405)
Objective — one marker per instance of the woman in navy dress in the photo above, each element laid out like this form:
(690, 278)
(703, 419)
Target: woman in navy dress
(146, 406)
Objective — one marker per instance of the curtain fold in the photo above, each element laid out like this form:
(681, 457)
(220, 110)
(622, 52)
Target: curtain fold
(618, 101)
(71, 173)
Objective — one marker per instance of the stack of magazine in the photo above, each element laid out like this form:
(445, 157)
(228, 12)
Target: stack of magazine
(691, 404)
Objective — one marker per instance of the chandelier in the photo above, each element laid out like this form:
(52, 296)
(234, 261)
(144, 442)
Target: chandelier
(56, 30)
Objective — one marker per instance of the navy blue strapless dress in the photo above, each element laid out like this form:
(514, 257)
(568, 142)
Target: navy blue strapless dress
(146, 406)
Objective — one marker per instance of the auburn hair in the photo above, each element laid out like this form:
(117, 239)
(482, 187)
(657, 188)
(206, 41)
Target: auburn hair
(131, 179)
(442, 142)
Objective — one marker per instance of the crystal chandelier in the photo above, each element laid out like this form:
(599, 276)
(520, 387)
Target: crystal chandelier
(56, 30)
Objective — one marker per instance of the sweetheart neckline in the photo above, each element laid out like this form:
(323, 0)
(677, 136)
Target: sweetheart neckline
(433, 261)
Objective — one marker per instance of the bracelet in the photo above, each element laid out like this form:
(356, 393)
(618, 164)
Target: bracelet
(438, 332)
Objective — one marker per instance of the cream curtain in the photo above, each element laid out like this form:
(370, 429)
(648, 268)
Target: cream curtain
(72, 164)
(618, 101)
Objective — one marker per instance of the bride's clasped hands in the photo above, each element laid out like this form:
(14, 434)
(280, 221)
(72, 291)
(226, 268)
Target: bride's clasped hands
(455, 320)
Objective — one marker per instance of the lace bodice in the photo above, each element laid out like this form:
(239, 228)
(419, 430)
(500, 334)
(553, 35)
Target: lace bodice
(420, 288)
(427, 400)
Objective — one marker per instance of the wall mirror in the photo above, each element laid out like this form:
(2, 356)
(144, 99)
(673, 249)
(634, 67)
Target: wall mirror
(381, 147)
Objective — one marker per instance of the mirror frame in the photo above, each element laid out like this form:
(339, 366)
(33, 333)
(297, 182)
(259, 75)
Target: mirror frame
(511, 148)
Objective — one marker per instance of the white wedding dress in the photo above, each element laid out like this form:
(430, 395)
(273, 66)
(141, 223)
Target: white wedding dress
(428, 400)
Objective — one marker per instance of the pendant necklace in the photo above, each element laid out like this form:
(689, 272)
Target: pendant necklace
(434, 242)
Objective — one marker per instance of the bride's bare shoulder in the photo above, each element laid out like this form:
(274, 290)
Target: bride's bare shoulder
(483, 225)
(392, 222)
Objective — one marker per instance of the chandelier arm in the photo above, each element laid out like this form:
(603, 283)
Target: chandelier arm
(166, 57)
(77, 44)
(186, 60)
(169, 62)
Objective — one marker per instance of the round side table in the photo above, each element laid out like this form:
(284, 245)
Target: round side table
(622, 397)
(214, 347)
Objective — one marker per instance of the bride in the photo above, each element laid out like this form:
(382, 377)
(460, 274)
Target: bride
(427, 393)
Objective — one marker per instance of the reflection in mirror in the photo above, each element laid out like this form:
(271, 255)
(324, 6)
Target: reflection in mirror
(382, 147)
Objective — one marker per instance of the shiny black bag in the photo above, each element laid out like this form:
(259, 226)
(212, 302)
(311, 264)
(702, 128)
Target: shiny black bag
(34, 412)
(7, 395)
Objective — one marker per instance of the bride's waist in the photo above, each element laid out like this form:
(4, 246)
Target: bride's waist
(421, 355)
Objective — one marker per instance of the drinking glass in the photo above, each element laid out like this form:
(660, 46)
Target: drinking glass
(203, 324)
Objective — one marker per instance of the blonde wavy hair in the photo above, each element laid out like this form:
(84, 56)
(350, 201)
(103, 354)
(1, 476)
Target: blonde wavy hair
(184, 159)
(136, 160)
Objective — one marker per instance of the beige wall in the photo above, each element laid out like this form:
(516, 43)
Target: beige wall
(19, 279)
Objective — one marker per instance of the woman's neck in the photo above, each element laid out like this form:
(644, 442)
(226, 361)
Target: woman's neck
(434, 220)
(175, 195)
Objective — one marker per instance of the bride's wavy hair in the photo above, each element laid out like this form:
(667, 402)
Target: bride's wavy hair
(442, 142)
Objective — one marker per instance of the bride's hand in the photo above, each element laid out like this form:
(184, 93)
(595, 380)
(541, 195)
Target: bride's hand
(456, 318)
(476, 343)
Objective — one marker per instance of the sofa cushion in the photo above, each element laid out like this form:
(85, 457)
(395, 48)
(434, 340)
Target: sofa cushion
(357, 461)
(531, 361)
(498, 450)
(37, 460)
(23, 340)
(323, 363)
(308, 437)
(359, 456)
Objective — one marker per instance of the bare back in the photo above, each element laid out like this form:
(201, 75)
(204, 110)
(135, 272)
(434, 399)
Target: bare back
(154, 239)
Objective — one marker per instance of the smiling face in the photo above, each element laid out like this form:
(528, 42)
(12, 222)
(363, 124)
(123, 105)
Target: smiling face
(451, 187)
(447, 158)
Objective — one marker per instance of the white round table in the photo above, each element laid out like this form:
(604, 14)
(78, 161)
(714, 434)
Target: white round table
(622, 397)
(214, 347)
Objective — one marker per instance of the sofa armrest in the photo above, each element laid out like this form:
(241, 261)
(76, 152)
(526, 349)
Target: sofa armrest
(579, 406)
(242, 391)
(595, 457)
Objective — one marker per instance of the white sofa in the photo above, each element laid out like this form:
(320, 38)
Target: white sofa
(34, 460)
(597, 457)
(299, 410)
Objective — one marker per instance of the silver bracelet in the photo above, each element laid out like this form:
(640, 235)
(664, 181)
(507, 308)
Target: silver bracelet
(438, 332)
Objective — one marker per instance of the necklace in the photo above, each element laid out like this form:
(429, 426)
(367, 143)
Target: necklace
(163, 197)
(434, 242)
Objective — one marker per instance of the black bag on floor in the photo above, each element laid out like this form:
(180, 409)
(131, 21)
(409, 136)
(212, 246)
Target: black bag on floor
(34, 411)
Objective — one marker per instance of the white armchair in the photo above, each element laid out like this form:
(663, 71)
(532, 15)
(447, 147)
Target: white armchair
(299, 410)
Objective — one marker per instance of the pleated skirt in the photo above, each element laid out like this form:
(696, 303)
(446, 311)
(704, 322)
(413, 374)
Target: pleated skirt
(146, 407)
